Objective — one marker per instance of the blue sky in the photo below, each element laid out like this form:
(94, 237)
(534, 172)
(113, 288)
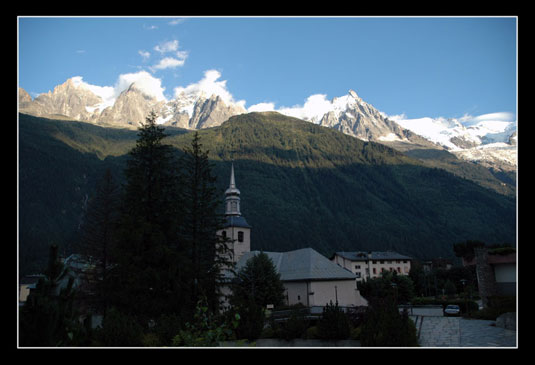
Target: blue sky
(416, 66)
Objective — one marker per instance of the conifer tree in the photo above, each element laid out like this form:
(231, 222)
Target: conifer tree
(200, 222)
(97, 237)
(146, 278)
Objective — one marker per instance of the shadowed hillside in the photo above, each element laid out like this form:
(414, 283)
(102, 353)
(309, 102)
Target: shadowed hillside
(301, 185)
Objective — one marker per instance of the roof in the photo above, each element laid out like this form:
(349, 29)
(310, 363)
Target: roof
(236, 221)
(372, 255)
(302, 265)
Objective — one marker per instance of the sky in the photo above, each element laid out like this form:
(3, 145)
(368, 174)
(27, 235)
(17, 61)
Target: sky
(415, 67)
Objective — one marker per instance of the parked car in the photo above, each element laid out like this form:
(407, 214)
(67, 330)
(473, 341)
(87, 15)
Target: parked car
(452, 310)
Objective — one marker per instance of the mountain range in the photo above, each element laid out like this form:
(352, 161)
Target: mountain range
(491, 143)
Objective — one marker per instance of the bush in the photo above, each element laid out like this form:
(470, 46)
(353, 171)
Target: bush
(295, 327)
(312, 333)
(384, 326)
(119, 330)
(334, 324)
(251, 322)
(150, 340)
(355, 333)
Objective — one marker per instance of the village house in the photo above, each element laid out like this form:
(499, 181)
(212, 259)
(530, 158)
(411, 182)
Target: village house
(369, 265)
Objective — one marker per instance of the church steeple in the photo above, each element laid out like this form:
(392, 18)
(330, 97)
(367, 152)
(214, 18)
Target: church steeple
(232, 197)
(236, 227)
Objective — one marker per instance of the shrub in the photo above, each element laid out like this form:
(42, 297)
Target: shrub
(150, 340)
(294, 327)
(312, 333)
(385, 326)
(355, 333)
(119, 330)
(334, 324)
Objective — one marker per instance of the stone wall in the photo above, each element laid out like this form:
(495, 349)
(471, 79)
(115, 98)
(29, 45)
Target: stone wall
(485, 275)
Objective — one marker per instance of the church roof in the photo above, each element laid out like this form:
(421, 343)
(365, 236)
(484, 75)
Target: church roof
(236, 221)
(302, 265)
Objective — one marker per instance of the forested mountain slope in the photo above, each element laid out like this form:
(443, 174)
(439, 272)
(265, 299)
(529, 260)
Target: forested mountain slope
(302, 185)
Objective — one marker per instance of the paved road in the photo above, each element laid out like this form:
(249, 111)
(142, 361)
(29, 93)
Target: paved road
(460, 332)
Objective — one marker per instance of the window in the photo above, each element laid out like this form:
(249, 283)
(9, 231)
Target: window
(399, 269)
(382, 262)
(357, 275)
(224, 234)
(240, 236)
(357, 267)
(374, 270)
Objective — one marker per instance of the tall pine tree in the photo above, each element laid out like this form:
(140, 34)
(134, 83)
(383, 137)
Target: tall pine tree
(98, 233)
(202, 204)
(147, 278)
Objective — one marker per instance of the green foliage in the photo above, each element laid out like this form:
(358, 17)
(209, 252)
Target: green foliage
(384, 326)
(497, 306)
(252, 319)
(256, 285)
(388, 284)
(205, 330)
(259, 281)
(200, 220)
(119, 330)
(334, 323)
(449, 288)
(466, 249)
(48, 317)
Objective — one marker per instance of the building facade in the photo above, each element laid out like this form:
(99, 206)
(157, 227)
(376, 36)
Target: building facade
(371, 264)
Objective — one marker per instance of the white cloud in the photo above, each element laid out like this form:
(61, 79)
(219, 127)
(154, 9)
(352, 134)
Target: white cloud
(107, 93)
(314, 108)
(168, 62)
(165, 47)
(209, 85)
(144, 81)
(144, 54)
(147, 83)
(177, 60)
(491, 117)
(262, 107)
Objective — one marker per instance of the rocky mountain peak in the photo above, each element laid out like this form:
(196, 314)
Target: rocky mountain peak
(354, 95)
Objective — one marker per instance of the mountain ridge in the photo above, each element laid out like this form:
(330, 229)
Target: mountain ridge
(349, 114)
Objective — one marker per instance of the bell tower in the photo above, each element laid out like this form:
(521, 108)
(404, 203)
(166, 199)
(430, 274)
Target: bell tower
(236, 227)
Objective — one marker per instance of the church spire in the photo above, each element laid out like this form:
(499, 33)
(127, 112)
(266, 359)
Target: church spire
(232, 196)
(232, 181)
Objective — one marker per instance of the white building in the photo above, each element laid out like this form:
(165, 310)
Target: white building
(369, 265)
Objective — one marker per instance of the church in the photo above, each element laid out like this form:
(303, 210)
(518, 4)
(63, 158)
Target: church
(308, 277)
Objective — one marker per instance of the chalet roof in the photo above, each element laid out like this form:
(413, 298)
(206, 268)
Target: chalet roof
(372, 255)
(302, 265)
